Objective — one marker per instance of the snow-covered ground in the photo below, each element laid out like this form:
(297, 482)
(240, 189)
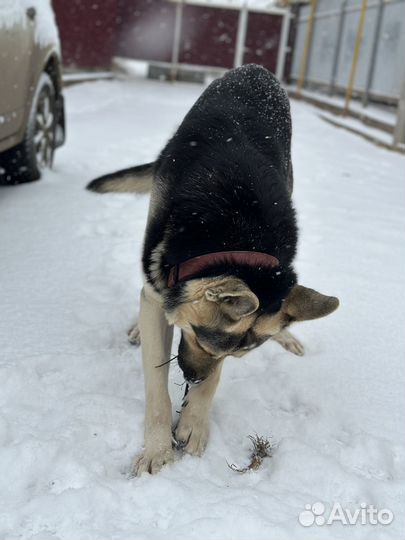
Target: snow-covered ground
(71, 416)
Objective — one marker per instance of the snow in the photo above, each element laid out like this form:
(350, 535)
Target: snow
(374, 111)
(255, 5)
(13, 12)
(71, 416)
(86, 76)
(374, 133)
(130, 68)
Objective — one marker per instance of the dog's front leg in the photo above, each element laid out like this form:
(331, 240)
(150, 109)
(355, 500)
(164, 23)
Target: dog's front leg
(156, 340)
(193, 428)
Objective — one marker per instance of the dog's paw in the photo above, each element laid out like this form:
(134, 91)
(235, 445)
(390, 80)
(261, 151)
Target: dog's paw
(290, 343)
(192, 434)
(134, 335)
(151, 461)
(294, 346)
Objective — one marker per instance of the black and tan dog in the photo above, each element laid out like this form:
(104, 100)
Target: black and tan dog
(219, 246)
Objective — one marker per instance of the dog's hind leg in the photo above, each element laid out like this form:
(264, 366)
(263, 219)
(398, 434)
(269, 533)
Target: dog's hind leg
(134, 335)
(289, 342)
(156, 335)
(193, 427)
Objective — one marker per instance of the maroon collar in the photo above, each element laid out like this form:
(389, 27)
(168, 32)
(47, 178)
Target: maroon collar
(187, 269)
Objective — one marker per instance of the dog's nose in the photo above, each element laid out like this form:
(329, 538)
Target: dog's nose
(195, 381)
(190, 374)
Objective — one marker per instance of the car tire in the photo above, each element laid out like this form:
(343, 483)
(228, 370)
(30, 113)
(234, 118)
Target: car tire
(24, 162)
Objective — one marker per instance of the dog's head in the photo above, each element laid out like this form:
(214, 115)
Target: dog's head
(220, 317)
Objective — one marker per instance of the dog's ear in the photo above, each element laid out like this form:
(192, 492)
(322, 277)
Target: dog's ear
(235, 301)
(303, 304)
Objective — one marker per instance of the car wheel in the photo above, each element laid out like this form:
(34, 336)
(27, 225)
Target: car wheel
(24, 162)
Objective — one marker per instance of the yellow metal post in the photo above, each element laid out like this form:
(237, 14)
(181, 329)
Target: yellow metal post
(307, 47)
(356, 52)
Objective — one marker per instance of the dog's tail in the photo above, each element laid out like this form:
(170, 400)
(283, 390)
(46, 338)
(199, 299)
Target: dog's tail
(132, 180)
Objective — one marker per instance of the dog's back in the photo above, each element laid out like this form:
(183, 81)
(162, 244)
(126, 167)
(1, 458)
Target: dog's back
(225, 176)
(246, 109)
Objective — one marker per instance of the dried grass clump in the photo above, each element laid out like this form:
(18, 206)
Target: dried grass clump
(261, 449)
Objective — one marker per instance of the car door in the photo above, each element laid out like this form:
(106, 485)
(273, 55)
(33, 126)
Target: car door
(16, 45)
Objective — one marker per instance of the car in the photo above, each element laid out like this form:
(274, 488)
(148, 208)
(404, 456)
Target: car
(32, 114)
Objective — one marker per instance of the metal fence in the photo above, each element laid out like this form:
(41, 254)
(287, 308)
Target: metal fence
(329, 52)
(216, 34)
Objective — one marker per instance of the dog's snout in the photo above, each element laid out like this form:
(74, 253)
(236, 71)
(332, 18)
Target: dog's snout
(189, 373)
(195, 370)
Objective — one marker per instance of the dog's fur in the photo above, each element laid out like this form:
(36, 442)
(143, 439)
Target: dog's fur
(222, 183)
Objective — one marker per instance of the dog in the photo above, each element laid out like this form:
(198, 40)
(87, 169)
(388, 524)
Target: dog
(218, 252)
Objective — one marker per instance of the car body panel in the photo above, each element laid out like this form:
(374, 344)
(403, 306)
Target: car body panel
(16, 46)
(22, 60)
